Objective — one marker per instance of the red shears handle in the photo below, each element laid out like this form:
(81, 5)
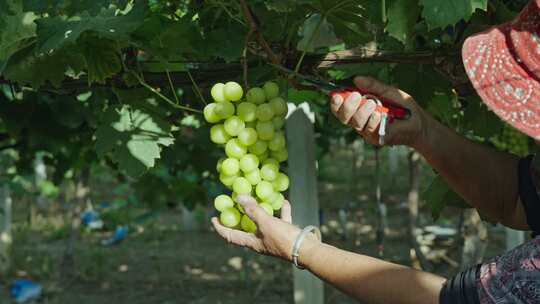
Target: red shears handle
(385, 106)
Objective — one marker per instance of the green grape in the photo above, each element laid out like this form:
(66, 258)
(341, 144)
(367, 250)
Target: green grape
(230, 166)
(248, 136)
(271, 90)
(256, 96)
(210, 114)
(247, 111)
(248, 225)
(233, 91)
(249, 162)
(242, 186)
(227, 180)
(234, 125)
(218, 134)
(264, 190)
(281, 155)
(218, 92)
(235, 149)
(254, 177)
(258, 148)
(278, 123)
(279, 105)
(265, 112)
(277, 203)
(271, 161)
(240, 208)
(230, 217)
(265, 130)
(269, 172)
(278, 142)
(218, 165)
(222, 202)
(251, 124)
(281, 183)
(263, 156)
(256, 127)
(224, 109)
(274, 196)
(267, 208)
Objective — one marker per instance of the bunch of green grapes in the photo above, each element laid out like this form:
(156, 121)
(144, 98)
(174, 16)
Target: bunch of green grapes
(251, 132)
(513, 141)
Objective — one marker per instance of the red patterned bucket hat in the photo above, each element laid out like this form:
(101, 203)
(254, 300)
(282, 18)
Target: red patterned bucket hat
(503, 64)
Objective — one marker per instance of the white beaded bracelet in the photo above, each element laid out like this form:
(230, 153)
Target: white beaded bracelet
(298, 242)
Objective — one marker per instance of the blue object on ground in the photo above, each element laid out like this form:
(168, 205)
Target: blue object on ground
(90, 218)
(24, 290)
(117, 236)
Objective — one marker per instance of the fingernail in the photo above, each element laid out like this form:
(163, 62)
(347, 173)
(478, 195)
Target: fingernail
(356, 96)
(243, 199)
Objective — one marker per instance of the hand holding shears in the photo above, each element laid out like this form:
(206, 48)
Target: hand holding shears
(389, 110)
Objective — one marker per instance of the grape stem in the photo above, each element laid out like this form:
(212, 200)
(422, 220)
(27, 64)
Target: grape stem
(172, 86)
(244, 58)
(196, 87)
(165, 98)
(255, 28)
(310, 42)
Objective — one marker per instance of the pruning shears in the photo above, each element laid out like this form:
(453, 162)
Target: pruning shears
(388, 110)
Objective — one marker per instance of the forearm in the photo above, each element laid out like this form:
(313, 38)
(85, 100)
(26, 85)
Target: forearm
(368, 279)
(487, 179)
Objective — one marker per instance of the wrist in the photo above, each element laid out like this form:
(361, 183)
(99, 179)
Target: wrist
(423, 140)
(308, 250)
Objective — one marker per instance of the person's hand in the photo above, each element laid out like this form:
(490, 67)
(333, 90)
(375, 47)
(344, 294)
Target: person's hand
(365, 121)
(274, 236)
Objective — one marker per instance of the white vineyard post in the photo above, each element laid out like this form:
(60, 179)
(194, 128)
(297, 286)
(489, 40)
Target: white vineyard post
(308, 289)
(5, 229)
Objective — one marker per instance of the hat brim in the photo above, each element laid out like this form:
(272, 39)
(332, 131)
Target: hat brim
(502, 82)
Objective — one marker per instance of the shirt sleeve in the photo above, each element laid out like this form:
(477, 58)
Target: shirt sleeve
(461, 289)
(510, 278)
(513, 277)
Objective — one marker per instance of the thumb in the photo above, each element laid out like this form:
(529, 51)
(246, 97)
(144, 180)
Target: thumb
(370, 85)
(252, 209)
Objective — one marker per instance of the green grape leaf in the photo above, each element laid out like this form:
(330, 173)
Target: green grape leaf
(316, 33)
(102, 58)
(54, 32)
(402, 17)
(440, 14)
(479, 119)
(65, 104)
(351, 20)
(443, 107)
(134, 136)
(166, 39)
(26, 67)
(229, 49)
(15, 31)
(438, 195)
(502, 12)
(299, 96)
(283, 6)
(407, 77)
